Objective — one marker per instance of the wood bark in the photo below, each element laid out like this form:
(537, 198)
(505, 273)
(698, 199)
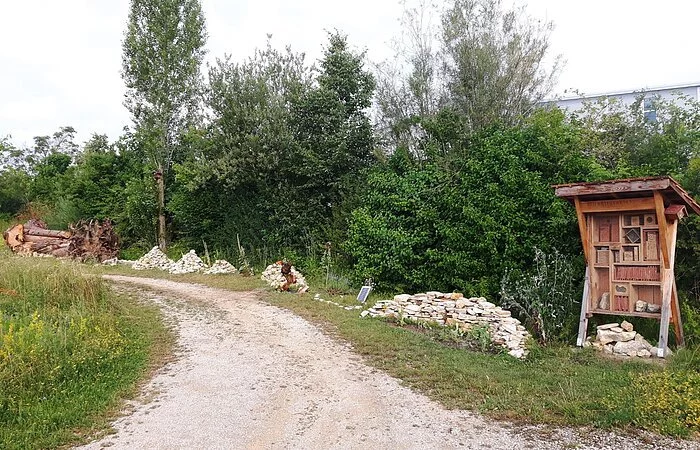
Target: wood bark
(85, 240)
(160, 182)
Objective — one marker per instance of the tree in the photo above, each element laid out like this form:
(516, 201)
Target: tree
(408, 87)
(483, 60)
(493, 61)
(334, 135)
(163, 51)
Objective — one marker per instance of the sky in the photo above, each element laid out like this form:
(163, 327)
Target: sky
(60, 61)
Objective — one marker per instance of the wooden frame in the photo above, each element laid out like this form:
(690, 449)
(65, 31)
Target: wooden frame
(628, 231)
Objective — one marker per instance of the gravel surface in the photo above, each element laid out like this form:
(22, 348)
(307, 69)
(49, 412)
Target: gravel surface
(253, 376)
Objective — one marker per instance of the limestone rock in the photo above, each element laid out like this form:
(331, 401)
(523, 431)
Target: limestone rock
(608, 326)
(617, 329)
(221, 266)
(517, 353)
(629, 348)
(189, 263)
(456, 311)
(625, 325)
(607, 336)
(653, 308)
(154, 259)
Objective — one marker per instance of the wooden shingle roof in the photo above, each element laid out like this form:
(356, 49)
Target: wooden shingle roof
(669, 188)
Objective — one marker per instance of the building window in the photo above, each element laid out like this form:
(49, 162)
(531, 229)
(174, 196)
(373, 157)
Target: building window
(649, 110)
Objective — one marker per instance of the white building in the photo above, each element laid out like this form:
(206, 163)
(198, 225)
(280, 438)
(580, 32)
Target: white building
(671, 93)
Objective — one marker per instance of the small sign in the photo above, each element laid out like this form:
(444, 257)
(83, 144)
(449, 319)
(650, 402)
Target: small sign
(364, 293)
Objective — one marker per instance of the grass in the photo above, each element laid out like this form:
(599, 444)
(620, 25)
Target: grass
(70, 350)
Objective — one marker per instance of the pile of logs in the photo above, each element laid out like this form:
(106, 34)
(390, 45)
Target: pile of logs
(84, 240)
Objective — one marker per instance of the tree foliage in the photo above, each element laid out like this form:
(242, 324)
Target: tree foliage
(477, 57)
(163, 51)
(460, 224)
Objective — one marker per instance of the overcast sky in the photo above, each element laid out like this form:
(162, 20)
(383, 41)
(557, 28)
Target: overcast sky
(60, 60)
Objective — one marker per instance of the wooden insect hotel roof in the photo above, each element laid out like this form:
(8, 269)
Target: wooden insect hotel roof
(669, 188)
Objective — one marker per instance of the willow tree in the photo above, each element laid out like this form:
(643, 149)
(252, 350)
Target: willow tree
(163, 51)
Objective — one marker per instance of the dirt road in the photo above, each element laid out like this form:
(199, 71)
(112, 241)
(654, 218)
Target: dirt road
(252, 376)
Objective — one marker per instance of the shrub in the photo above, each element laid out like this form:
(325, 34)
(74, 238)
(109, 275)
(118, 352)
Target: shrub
(668, 402)
(545, 298)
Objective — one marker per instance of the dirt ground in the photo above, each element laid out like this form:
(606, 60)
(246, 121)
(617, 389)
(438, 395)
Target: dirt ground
(248, 375)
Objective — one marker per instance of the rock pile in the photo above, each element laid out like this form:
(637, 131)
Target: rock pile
(220, 266)
(318, 298)
(154, 259)
(455, 310)
(621, 339)
(189, 263)
(273, 276)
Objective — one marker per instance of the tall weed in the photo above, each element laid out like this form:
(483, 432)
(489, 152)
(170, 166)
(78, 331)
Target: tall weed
(66, 350)
(545, 298)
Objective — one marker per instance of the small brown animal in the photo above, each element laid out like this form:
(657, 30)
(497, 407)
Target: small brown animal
(288, 276)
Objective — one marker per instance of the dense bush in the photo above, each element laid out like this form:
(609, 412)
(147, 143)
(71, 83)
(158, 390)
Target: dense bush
(461, 220)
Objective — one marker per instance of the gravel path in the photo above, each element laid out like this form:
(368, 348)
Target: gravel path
(253, 376)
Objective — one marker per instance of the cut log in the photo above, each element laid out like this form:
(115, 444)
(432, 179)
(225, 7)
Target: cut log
(47, 233)
(85, 240)
(14, 236)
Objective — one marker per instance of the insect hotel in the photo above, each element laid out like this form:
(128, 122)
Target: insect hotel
(628, 230)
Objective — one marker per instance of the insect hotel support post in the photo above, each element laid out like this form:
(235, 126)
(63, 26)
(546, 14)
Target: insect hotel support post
(628, 230)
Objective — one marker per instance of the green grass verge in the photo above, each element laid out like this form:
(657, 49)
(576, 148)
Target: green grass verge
(70, 350)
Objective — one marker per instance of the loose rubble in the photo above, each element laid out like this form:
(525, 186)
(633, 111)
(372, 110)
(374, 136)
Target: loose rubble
(189, 263)
(456, 310)
(273, 276)
(318, 298)
(154, 259)
(221, 266)
(621, 339)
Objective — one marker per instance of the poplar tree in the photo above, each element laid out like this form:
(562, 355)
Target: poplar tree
(163, 50)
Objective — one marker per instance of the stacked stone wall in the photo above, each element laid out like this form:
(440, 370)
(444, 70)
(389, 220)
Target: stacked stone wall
(456, 310)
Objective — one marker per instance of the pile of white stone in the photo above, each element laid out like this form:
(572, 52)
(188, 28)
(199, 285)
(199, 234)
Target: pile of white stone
(220, 266)
(189, 263)
(154, 259)
(455, 310)
(272, 275)
(318, 298)
(621, 339)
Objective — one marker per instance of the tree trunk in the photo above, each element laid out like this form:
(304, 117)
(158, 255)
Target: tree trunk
(161, 208)
(85, 240)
